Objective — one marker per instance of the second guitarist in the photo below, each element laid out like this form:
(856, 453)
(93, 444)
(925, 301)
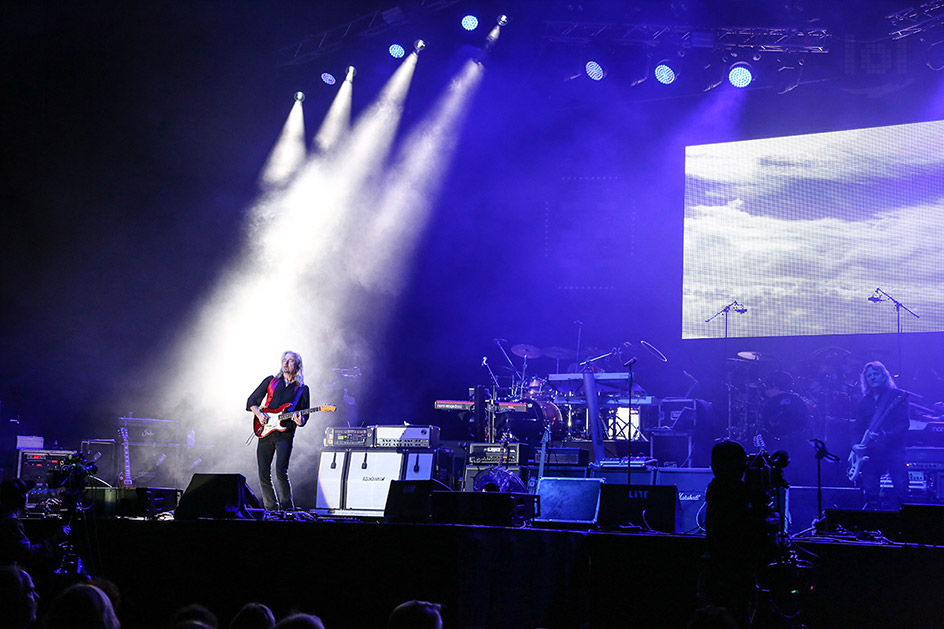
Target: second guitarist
(884, 445)
(285, 387)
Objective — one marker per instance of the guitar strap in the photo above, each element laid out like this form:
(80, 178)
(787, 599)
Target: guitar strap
(884, 401)
(270, 390)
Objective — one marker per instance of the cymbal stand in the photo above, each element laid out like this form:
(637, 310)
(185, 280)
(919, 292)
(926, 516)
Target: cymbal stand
(880, 295)
(519, 378)
(579, 325)
(738, 308)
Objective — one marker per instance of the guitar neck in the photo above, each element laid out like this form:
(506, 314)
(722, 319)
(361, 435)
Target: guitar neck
(307, 411)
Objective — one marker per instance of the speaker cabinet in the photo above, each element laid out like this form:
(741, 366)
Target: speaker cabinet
(651, 507)
(411, 500)
(569, 500)
(217, 496)
(357, 481)
(692, 484)
(802, 504)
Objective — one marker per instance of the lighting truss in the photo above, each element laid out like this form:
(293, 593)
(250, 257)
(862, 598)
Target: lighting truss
(326, 42)
(916, 19)
(760, 39)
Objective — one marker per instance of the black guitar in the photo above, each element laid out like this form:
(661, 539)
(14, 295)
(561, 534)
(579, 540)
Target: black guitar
(857, 458)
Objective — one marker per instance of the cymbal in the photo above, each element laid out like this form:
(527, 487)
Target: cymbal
(526, 351)
(755, 356)
(560, 353)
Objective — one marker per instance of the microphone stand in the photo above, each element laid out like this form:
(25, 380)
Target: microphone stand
(880, 295)
(821, 453)
(518, 376)
(738, 308)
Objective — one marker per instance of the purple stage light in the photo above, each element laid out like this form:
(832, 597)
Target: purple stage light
(665, 74)
(328, 78)
(470, 22)
(740, 75)
(595, 71)
(396, 51)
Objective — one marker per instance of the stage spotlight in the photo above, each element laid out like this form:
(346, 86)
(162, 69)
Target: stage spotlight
(503, 20)
(396, 51)
(350, 73)
(328, 78)
(300, 96)
(419, 45)
(665, 73)
(470, 22)
(740, 74)
(595, 71)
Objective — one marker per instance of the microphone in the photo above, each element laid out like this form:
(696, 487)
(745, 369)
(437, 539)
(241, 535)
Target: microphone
(630, 362)
(875, 299)
(578, 322)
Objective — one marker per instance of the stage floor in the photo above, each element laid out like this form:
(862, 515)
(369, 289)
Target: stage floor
(352, 573)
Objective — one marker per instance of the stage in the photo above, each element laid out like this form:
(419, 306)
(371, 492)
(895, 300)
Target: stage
(351, 573)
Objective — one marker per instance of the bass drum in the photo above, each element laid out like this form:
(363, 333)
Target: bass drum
(529, 427)
(785, 415)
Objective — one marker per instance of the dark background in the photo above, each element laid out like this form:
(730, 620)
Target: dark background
(133, 135)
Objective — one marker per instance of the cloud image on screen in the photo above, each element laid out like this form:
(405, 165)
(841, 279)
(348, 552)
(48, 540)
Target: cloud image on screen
(802, 230)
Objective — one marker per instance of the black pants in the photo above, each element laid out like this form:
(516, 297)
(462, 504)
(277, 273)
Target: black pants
(277, 445)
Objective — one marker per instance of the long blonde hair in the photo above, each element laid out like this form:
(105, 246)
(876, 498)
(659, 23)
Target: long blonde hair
(877, 365)
(300, 373)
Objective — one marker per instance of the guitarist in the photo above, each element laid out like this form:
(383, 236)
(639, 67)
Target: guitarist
(884, 444)
(285, 387)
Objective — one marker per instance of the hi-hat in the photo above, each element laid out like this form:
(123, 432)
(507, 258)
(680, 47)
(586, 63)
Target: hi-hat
(560, 353)
(526, 351)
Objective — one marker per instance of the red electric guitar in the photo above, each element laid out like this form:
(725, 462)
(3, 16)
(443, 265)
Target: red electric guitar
(275, 417)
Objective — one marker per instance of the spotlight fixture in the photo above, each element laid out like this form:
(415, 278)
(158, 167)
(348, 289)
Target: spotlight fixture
(470, 22)
(300, 96)
(350, 73)
(595, 71)
(328, 78)
(502, 20)
(740, 74)
(665, 73)
(419, 45)
(396, 51)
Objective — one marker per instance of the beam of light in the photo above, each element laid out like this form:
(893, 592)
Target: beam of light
(338, 119)
(282, 292)
(289, 150)
(412, 186)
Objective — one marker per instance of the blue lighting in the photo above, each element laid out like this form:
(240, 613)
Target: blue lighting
(595, 70)
(396, 51)
(470, 22)
(740, 75)
(665, 74)
(328, 78)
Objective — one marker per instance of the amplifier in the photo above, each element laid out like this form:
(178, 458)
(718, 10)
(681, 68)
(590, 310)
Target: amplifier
(424, 437)
(564, 456)
(499, 453)
(924, 455)
(32, 465)
(353, 437)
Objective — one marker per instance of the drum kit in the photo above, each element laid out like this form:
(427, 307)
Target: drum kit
(770, 405)
(548, 411)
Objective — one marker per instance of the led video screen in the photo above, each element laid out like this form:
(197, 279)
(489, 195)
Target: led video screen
(801, 231)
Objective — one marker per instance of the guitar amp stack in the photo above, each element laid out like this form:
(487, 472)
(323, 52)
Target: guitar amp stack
(383, 437)
(358, 465)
